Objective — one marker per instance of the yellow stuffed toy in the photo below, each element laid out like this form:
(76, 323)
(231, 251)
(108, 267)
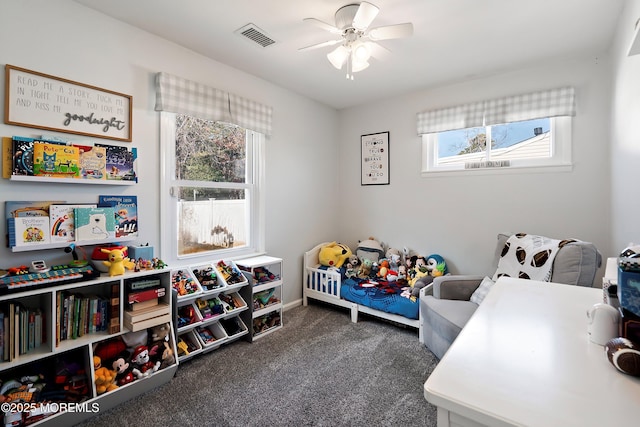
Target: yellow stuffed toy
(105, 377)
(334, 254)
(117, 261)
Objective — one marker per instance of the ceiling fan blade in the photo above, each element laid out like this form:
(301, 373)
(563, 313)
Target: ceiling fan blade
(323, 25)
(391, 32)
(364, 16)
(377, 51)
(319, 45)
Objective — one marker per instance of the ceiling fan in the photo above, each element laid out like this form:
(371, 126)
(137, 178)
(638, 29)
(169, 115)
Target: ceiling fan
(357, 41)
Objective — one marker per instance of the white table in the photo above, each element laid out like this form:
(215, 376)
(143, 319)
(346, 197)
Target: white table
(524, 358)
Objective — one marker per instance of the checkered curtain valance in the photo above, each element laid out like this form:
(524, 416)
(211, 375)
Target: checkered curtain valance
(183, 96)
(536, 105)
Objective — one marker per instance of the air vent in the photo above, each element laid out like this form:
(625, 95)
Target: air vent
(255, 34)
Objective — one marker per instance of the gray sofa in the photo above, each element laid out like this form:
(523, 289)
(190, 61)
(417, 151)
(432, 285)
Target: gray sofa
(445, 308)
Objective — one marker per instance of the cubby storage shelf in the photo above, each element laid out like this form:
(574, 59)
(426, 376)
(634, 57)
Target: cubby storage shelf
(81, 349)
(265, 276)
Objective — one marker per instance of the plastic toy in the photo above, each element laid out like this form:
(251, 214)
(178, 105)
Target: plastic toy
(334, 254)
(183, 348)
(207, 277)
(105, 378)
(117, 261)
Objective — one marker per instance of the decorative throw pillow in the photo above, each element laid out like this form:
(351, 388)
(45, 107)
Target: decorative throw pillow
(482, 291)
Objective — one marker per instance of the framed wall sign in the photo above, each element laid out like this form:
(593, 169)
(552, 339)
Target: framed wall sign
(375, 159)
(42, 101)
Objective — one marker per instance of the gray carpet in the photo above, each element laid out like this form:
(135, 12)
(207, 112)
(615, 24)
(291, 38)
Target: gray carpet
(318, 370)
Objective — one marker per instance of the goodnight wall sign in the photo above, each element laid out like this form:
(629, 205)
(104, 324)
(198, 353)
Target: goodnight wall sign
(42, 101)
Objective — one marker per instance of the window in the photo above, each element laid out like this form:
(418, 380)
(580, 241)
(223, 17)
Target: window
(530, 130)
(212, 191)
(542, 142)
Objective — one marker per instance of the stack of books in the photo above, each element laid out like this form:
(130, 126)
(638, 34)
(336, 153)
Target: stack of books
(145, 307)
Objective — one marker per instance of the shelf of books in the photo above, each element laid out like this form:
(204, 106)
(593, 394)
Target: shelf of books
(51, 159)
(38, 225)
(62, 340)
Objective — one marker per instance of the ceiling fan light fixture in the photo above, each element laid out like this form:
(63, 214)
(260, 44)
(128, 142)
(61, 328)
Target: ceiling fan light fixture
(338, 56)
(357, 65)
(361, 51)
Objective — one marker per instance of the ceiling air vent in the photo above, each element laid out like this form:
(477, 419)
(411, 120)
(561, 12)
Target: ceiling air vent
(255, 34)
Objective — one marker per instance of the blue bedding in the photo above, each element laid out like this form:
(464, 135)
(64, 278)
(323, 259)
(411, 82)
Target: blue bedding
(380, 295)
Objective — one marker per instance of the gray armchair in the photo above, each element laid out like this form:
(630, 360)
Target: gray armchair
(446, 307)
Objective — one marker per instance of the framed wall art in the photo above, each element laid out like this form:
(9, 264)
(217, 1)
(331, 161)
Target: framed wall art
(41, 101)
(375, 159)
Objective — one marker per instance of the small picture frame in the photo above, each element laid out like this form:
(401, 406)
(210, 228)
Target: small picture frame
(375, 159)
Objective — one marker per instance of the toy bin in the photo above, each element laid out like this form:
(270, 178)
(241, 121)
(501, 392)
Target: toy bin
(207, 277)
(629, 290)
(184, 283)
(188, 344)
(234, 326)
(210, 307)
(188, 314)
(230, 274)
(211, 334)
(233, 301)
(266, 322)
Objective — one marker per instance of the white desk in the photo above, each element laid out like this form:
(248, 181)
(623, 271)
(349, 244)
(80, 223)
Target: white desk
(524, 358)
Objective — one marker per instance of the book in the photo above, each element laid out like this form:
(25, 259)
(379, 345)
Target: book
(144, 295)
(22, 155)
(28, 231)
(62, 221)
(137, 306)
(120, 162)
(14, 209)
(7, 157)
(125, 213)
(94, 224)
(56, 160)
(92, 161)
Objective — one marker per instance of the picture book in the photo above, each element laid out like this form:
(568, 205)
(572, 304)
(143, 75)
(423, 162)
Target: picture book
(93, 162)
(94, 224)
(120, 162)
(13, 209)
(28, 231)
(55, 160)
(62, 221)
(7, 157)
(126, 213)
(22, 155)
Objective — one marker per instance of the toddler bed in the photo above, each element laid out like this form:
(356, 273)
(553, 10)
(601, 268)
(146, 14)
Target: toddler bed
(383, 299)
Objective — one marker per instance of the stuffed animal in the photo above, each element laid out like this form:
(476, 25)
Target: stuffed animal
(436, 265)
(352, 266)
(370, 249)
(159, 348)
(105, 378)
(117, 261)
(334, 254)
(124, 372)
(365, 269)
(141, 361)
(394, 257)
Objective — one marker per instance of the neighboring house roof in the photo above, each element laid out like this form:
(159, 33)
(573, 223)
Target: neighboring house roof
(537, 147)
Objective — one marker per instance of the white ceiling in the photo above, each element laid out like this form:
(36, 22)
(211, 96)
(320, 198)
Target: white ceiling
(453, 39)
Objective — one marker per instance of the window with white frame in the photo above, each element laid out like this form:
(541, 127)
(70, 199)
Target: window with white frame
(213, 157)
(525, 131)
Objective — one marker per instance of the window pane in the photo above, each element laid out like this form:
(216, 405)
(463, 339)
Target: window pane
(209, 151)
(528, 139)
(211, 219)
(463, 145)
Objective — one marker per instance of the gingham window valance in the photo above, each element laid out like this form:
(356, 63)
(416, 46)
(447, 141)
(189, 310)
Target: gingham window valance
(182, 96)
(536, 105)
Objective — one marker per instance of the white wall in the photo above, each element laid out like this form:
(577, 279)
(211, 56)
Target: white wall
(67, 40)
(458, 217)
(625, 134)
